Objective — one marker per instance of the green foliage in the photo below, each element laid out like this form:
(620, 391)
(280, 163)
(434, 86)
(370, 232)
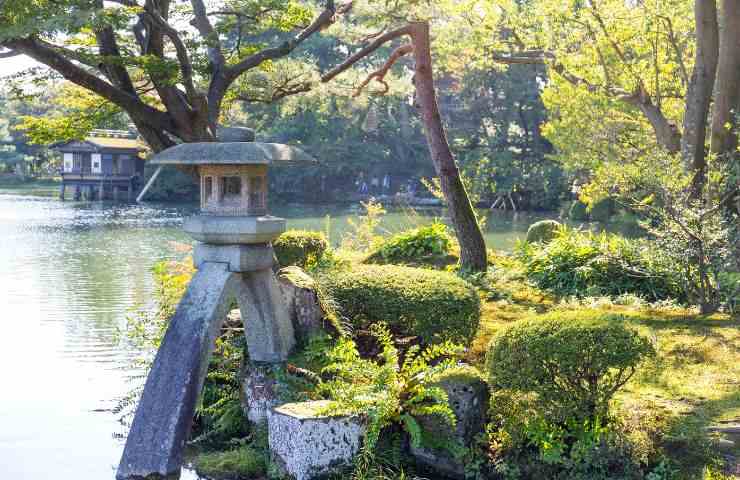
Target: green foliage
(363, 233)
(602, 210)
(573, 363)
(432, 305)
(389, 391)
(242, 462)
(543, 231)
(581, 264)
(299, 247)
(424, 245)
(578, 211)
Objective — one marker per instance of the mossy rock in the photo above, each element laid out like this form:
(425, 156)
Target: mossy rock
(299, 247)
(543, 231)
(432, 305)
(578, 211)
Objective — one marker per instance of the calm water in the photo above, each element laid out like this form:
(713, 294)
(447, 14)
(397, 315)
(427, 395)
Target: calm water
(69, 275)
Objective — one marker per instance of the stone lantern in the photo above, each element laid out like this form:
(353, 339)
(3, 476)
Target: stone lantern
(234, 259)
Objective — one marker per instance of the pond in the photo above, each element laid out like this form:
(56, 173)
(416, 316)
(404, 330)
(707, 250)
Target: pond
(70, 273)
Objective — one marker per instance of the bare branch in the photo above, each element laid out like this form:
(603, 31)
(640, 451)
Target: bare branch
(364, 52)
(379, 75)
(677, 50)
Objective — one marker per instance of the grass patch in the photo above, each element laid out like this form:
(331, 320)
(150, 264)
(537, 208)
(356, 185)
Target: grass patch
(241, 463)
(693, 382)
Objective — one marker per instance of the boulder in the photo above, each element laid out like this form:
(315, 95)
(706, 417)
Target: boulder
(306, 444)
(467, 395)
(302, 299)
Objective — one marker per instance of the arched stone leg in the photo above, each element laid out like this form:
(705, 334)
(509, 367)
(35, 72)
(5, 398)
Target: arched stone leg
(267, 325)
(165, 413)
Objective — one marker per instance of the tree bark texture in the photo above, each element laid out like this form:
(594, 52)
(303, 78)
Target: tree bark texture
(699, 93)
(469, 235)
(725, 110)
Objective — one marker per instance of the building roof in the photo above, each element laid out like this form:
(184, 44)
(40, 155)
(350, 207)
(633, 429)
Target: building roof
(231, 153)
(109, 142)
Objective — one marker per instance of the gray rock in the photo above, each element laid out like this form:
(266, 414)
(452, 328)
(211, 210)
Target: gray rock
(235, 134)
(308, 445)
(302, 301)
(260, 389)
(468, 397)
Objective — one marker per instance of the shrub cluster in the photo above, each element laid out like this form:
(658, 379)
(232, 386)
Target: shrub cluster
(424, 245)
(581, 264)
(543, 231)
(299, 247)
(574, 362)
(432, 305)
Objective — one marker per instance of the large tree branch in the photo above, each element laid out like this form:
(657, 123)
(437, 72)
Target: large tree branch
(364, 52)
(183, 58)
(379, 75)
(323, 20)
(108, 47)
(47, 54)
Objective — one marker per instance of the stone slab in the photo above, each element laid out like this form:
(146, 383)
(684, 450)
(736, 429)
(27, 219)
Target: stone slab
(165, 413)
(240, 258)
(225, 230)
(308, 445)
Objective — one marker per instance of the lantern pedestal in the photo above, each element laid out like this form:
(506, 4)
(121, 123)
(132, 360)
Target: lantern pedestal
(234, 264)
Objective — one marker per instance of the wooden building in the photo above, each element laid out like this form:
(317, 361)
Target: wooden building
(104, 165)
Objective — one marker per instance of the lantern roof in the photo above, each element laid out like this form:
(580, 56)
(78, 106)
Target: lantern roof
(231, 153)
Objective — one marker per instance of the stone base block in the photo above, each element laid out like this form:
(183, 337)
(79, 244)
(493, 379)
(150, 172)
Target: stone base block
(241, 258)
(468, 396)
(307, 445)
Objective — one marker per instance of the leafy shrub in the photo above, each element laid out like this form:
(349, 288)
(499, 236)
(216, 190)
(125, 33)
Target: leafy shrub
(574, 362)
(391, 390)
(543, 231)
(433, 305)
(578, 211)
(586, 264)
(299, 247)
(602, 210)
(429, 244)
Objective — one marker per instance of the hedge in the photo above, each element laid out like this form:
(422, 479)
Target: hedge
(433, 305)
(428, 245)
(543, 231)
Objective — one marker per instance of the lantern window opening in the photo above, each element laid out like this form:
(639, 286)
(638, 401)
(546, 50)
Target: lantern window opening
(231, 186)
(208, 194)
(256, 193)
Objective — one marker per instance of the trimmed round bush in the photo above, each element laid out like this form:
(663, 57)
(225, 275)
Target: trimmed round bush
(297, 247)
(433, 305)
(543, 231)
(578, 211)
(573, 361)
(430, 244)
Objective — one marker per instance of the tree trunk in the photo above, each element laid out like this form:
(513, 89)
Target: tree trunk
(472, 246)
(724, 134)
(699, 93)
